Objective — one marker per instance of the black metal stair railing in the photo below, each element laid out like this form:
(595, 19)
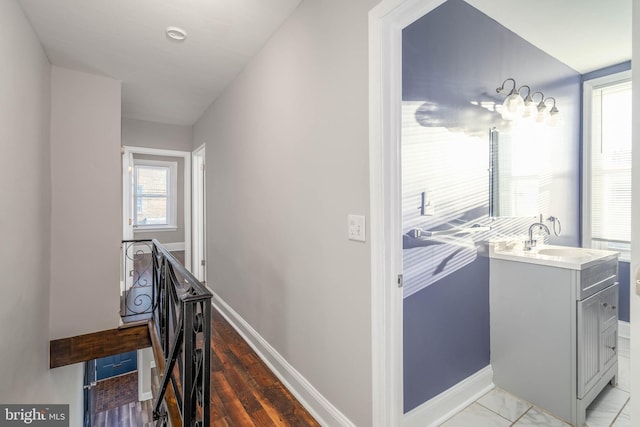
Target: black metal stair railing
(137, 293)
(181, 310)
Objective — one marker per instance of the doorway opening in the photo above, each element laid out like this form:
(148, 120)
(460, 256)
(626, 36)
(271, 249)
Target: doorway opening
(156, 204)
(199, 214)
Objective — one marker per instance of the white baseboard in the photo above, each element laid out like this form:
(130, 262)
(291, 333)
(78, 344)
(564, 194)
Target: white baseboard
(624, 329)
(448, 403)
(317, 405)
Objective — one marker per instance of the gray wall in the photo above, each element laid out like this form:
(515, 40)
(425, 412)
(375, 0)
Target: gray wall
(141, 133)
(86, 213)
(287, 161)
(25, 226)
(176, 236)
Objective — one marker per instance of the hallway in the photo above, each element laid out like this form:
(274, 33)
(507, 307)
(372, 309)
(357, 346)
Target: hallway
(244, 391)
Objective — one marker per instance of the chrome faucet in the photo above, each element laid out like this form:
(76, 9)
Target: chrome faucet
(528, 244)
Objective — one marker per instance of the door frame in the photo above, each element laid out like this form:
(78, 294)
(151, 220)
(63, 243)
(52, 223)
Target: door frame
(634, 271)
(199, 210)
(386, 22)
(127, 165)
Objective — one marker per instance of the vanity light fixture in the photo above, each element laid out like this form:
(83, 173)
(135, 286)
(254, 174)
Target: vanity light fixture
(529, 104)
(554, 114)
(534, 107)
(176, 34)
(513, 105)
(541, 117)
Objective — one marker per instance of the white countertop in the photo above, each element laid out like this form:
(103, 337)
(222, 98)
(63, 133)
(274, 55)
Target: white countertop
(574, 258)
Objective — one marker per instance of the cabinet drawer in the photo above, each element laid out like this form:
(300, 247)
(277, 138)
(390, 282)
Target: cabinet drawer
(609, 308)
(597, 277)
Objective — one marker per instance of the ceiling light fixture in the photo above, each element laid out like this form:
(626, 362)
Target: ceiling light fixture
(177, 34)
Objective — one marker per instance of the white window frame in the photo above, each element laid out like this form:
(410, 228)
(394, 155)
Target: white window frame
(588, 87)
(172, 196)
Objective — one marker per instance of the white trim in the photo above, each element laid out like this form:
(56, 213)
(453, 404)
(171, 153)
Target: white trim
(143, 372)
(317, 405)
(386, 21)
(127, 182)
(624, 329)
(451, 401)
(128, 151)
(199, 208)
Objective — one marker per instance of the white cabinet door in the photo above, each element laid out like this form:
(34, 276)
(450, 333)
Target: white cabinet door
(589, 344)
(597, 337)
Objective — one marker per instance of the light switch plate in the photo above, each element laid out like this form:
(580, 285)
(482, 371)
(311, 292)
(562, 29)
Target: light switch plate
(357, 227)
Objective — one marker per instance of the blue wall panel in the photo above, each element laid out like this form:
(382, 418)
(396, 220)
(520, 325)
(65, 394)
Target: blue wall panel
(449, 323)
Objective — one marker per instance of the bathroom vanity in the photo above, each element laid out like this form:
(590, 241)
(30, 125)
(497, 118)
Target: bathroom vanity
(554, 325)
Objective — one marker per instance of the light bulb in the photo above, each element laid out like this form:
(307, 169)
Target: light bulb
(513, 106)
(554, 119)
(530, 110)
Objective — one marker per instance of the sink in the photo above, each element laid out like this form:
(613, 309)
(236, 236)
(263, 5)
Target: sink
(550, 255)
(565, 252)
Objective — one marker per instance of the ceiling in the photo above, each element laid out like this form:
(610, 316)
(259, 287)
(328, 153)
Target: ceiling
(162, 80)
(584, 34)
(169, 82)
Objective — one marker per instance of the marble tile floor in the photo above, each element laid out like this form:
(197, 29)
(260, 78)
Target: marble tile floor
(498, 408)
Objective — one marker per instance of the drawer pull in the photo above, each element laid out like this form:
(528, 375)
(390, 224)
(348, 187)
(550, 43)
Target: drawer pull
(613, 348)
(605, 305)
(117, 365)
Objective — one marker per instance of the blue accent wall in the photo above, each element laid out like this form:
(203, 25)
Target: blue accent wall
(452, 56)
(446, 323)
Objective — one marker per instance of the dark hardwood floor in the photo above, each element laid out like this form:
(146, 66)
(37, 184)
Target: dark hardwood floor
(244, 391)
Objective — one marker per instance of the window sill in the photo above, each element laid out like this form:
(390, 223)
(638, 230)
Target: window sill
(154, 228)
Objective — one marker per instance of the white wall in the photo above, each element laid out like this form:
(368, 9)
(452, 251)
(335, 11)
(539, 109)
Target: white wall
(141, 133)
(287, 160)
(25, 207)
(25, 227)
(86, 203)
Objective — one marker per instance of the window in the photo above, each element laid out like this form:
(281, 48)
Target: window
(607, 150)
(154, 194)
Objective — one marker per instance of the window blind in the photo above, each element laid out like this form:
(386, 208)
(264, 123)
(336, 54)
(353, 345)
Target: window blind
(611, 164)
